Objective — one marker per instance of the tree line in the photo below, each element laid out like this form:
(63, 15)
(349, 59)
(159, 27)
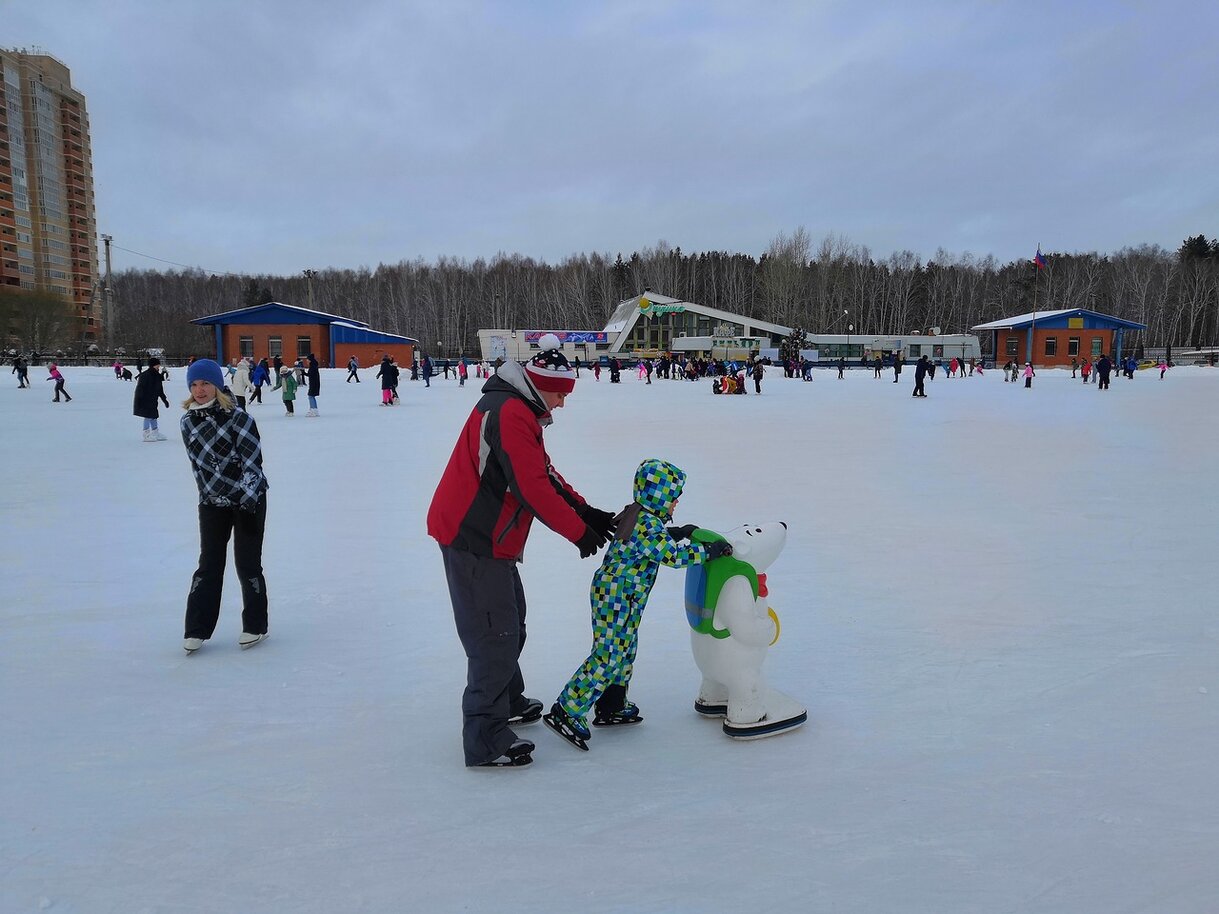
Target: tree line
(819, 287)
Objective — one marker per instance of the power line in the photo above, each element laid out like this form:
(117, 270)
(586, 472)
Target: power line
(187, 266)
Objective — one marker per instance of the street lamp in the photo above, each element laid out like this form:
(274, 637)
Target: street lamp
(309, 274)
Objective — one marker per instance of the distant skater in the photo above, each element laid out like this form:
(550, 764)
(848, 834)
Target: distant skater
(149, 390)
(353, 366)
(1029, 374)
(920, 372)
(287, 382)
(57, 377)
(1103, 368)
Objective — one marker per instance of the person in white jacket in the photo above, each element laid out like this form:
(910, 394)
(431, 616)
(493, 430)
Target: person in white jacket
(241, 381)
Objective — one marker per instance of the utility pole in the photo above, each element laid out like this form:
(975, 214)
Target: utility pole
(111, 319)
(309, 274)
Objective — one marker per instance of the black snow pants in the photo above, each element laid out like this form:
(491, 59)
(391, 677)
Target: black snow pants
(203, 603)
(489, 609)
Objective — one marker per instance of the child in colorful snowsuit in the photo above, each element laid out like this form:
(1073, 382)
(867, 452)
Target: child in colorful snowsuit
(619, 592)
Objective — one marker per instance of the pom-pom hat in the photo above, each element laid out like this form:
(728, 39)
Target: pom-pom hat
(205, 370)
(549, 370)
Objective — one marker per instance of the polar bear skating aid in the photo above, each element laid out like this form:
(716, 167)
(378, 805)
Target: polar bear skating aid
(732, 628)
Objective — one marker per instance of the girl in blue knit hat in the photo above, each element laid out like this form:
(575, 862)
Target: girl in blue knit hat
(619, 592)
(226, 457)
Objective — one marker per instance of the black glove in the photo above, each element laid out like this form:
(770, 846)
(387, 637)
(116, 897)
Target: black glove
(601, 521)
(590, 542)
(681, 533)
(718, 548)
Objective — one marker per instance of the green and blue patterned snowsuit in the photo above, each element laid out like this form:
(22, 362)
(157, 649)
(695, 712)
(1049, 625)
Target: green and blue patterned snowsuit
(621, 586)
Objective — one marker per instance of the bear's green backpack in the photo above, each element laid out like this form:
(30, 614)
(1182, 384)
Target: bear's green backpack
(705, 581)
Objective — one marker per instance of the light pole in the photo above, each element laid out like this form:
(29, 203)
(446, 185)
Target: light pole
(850, 355)
(309, 274)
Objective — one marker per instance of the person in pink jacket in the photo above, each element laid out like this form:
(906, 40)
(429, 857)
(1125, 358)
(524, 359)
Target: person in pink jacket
(1163, 366)
(58, 379)
(1029, 374)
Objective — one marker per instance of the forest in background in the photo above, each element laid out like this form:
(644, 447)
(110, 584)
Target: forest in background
(795, 283)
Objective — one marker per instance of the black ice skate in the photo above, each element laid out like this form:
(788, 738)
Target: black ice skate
(628, 715)
(519, 755)
(530, 711)
(568, 727)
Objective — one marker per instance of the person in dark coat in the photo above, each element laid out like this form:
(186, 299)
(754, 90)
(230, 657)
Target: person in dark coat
(22, 371)
(920, 372)
(427, 369)
(842, 367)
(353, 366)
(149, 389)
(388, 373)
(278, 365)
(897, 366)
(1103, 368)
(758, 371)
(314, 377)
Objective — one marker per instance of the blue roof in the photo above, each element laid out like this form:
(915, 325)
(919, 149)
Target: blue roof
(275, 313)
(349, 332)
(1059, 320)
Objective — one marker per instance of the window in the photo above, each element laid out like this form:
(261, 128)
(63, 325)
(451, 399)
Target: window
(1051, 345)
(916, 351)
(1072, 345)
(304, 346)
(1010, 342)
(245, 346)
(1096, 347)
(275, 346)
(937, 351)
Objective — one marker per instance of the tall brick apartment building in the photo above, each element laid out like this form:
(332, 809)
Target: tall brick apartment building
(47, 223)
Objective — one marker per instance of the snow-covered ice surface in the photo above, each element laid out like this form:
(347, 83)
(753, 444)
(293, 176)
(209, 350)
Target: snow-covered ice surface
(998, 605)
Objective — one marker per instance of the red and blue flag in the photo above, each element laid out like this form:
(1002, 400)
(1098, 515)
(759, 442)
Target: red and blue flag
(1039, 259)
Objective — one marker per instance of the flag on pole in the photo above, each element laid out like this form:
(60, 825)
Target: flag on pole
(1039, 259)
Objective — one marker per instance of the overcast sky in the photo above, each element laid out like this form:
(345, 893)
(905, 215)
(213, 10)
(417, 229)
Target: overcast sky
(275, 135)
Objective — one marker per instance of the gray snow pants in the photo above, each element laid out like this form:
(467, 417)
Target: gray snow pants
(489, 609)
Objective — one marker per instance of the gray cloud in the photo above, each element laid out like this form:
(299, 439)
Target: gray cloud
(271, 136)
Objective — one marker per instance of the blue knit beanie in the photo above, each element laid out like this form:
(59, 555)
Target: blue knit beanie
(205, 370)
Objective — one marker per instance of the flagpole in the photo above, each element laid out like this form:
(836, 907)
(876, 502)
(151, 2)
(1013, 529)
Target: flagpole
(1033, 331)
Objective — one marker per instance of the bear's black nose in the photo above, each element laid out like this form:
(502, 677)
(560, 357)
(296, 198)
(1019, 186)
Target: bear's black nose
(784, 525)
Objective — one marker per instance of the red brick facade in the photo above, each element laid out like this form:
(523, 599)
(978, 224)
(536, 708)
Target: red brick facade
(1085, 343)
(369, 354)
(292, 339)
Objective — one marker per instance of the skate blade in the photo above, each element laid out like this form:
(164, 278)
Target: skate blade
(568, 736)
(764, 727)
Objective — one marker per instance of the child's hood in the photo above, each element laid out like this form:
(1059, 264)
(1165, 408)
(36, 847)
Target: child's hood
(658, 485)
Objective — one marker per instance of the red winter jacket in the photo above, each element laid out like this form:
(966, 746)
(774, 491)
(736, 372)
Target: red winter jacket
(499, 477)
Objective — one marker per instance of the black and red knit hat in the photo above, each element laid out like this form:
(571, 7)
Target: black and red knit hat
(549, 370)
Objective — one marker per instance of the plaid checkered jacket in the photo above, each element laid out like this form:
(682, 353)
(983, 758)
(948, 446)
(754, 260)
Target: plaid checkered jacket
(225, 455)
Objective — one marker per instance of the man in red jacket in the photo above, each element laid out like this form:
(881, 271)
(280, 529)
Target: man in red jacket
(497, 481)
